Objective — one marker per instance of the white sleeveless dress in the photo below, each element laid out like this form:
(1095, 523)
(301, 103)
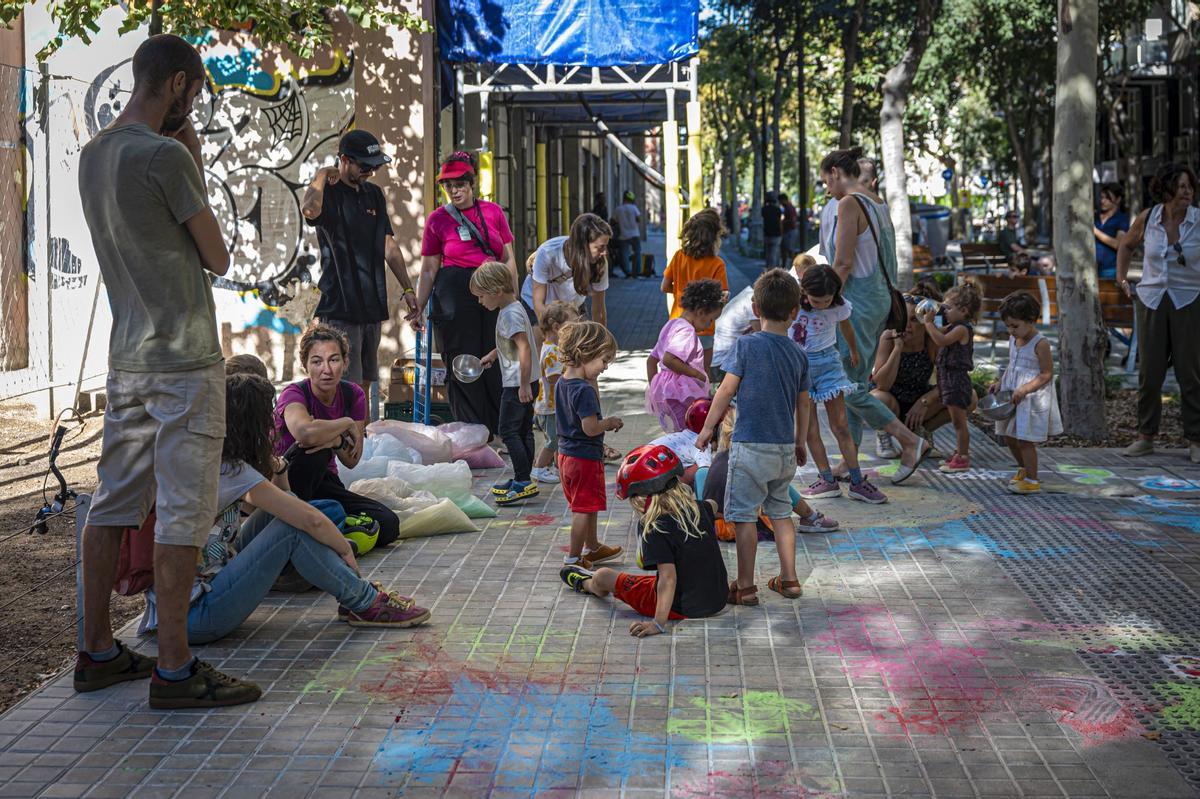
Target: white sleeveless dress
(1037, 417)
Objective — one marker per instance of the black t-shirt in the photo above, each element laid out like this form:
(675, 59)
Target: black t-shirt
(576, 399)
(352, 230)
(702, 584)
(772, 217)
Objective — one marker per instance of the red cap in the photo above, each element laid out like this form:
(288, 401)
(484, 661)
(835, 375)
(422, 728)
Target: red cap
(453, 170)
(648, 470)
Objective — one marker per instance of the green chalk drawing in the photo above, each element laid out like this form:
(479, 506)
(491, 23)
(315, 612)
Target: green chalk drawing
(1086, 475)
(338, 678)
(1183, 710)
(735, 719)
(889, 469)
(1046, 642)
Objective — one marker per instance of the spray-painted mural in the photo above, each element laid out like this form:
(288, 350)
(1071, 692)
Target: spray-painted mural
(264, 135)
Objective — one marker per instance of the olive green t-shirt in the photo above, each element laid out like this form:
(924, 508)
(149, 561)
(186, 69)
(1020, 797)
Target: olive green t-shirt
(138, 189)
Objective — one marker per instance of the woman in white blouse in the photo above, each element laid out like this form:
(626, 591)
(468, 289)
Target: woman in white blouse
(1168, 315)
(572, 268)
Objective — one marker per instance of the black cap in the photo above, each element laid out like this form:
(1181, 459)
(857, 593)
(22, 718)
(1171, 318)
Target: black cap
(363, 148)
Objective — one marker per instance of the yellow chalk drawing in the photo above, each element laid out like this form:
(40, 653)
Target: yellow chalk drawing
(738, 718)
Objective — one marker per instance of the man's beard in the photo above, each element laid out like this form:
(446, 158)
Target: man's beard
(177, 115)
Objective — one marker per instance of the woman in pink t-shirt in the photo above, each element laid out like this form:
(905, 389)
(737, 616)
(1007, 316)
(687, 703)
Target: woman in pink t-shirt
(458, 238)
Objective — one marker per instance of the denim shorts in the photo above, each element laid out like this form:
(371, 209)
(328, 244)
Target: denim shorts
(759, 476)
(827, 374)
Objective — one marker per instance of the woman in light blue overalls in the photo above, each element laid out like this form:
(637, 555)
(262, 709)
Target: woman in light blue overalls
(860, 245)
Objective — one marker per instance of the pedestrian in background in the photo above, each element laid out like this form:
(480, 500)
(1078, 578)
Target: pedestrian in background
(628, 234)
(772, 219)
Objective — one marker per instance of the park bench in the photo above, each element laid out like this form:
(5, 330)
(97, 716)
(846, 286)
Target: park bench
(982, 257)
(1116, 309)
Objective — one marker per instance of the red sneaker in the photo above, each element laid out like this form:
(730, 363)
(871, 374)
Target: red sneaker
(390, 610)
(955, 463)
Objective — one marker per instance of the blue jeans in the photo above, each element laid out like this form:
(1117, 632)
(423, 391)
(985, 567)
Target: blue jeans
(267, 544)
(624, 246)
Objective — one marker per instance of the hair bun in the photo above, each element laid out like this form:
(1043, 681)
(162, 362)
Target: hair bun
(856, 153)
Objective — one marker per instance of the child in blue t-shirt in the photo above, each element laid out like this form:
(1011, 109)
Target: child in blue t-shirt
(768, 373)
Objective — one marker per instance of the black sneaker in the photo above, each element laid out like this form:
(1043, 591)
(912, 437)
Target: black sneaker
(574, 576)
(207, 687)
(92, 675)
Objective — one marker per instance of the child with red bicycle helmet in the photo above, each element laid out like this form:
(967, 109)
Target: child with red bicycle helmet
(678, 541)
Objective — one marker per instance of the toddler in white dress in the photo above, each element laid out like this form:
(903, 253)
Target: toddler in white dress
(1030, 377)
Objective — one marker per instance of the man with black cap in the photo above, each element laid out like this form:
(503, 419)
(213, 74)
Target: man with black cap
(355, 233)
(628, 231)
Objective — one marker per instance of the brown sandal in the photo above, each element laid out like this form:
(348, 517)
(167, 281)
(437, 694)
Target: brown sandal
(742, 596)
(785, 587)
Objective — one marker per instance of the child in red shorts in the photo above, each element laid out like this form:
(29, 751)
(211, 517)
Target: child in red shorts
(585, 349)
(678, 540)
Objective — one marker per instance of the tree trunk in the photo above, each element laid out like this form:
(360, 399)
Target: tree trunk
(802, 200)
(757, 137)
(849, 62)
(1024, 167)
(896, 86)
(1081, 334)
(736, 230)
(777, 96)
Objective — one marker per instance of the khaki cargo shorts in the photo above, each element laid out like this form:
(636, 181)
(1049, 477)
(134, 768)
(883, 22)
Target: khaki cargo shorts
(163, 433)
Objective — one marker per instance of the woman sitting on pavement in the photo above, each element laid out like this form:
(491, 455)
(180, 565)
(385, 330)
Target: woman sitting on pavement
(241, 561)
(321, 421)
(904, 364)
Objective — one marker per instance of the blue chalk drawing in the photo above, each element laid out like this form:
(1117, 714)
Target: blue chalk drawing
(1164, 482)
(549, 734)
(955, 536)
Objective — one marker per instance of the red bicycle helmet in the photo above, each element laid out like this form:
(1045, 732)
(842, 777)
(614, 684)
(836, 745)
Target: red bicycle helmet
(648, 470)
(696, 414)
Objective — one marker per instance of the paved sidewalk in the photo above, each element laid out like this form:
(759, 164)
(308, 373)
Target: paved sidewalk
(956, 642)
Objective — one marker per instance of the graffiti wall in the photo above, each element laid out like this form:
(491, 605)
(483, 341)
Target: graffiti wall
(266, 127)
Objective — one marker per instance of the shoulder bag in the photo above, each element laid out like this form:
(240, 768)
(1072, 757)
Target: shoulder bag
(897, 318)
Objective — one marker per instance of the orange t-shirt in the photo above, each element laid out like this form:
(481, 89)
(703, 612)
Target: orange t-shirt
(685, 269)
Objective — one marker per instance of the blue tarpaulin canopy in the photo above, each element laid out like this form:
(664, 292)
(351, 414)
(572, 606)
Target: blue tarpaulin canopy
(589, 33)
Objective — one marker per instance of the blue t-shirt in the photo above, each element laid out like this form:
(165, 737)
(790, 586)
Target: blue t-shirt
(576, 399)
(773, 370)
(1106, 257)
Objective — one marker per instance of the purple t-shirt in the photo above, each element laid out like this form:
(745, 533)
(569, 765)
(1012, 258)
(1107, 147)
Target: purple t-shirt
(294, 395)
(679, 338)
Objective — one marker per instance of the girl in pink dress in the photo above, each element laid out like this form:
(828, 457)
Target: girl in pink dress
(682, 379)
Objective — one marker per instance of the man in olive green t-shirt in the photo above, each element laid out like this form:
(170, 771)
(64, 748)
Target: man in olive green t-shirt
(142, 186)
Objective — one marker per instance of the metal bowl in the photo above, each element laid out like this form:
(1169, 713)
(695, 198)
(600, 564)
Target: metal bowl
(998, 406)
(467, 368)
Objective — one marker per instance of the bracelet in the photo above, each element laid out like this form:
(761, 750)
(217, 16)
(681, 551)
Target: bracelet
(661, 629)
(407, 291)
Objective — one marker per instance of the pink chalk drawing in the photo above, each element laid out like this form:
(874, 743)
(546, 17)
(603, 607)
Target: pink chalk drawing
(539, 519)
(942, 687)
(1085, 705)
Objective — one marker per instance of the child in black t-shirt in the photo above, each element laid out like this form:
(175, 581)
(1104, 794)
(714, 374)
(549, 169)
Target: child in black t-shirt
(678, 540)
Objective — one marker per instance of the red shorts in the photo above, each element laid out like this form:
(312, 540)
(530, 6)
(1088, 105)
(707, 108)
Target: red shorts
(582, 484)
(640, 592)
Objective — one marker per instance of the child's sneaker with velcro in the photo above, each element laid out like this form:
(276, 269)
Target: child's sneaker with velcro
(821, 489)
(516, 492)
(863, 491)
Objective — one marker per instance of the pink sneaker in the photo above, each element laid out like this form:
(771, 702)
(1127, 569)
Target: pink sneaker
(955, 463)
(821, 489)
(865, 492)
(389, 610)
(817, 523)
